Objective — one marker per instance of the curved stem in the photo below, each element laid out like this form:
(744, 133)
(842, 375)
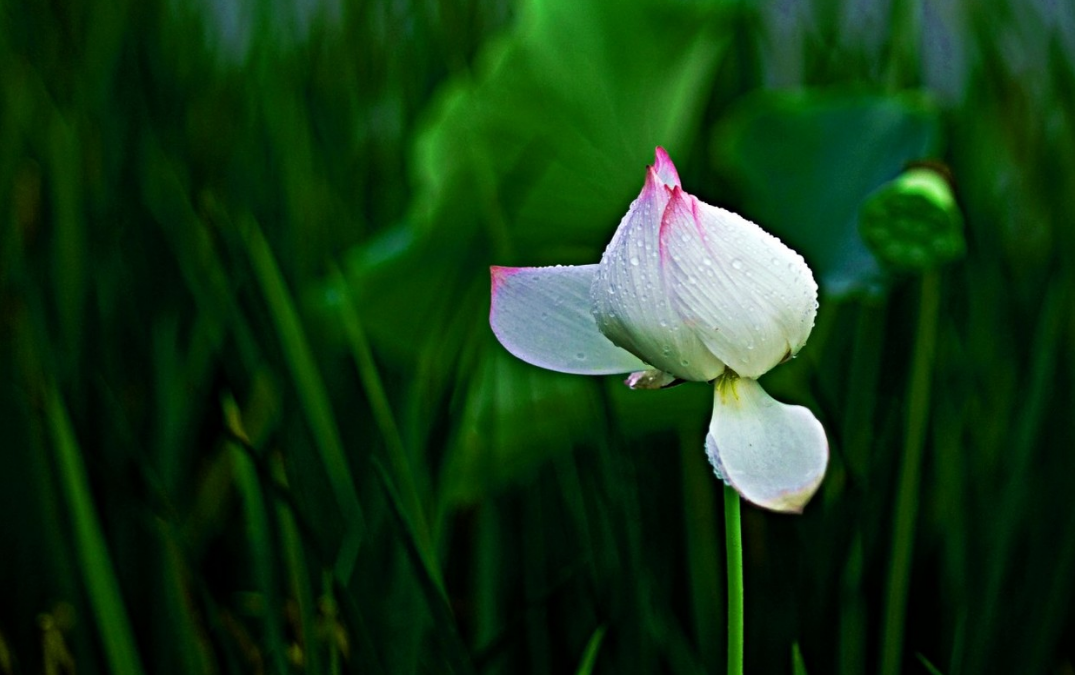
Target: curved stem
(918, 401)
(734, 537)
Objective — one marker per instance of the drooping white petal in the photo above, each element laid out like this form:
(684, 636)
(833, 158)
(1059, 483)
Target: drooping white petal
(751, 299)
(773, 454)
(542, 315)
(631, 304)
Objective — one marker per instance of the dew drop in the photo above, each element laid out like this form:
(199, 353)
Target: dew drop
(684, 362)
(707, 261)
(580, 356)
(634, 261)
(737, 264)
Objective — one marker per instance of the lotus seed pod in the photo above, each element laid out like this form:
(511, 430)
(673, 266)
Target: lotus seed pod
(913, 223)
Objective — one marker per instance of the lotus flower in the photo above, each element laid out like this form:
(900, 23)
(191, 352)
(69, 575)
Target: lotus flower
(685, 291)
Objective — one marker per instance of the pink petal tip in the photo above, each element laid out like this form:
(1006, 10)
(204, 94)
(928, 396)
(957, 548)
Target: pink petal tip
(665, 169)
(499, 274)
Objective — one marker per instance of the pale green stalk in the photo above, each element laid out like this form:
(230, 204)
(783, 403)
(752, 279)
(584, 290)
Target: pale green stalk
(733, 534)
(918, 401)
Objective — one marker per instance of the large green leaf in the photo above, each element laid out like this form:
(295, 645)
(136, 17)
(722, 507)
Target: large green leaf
(534, 158)
(531, 160)
(803, 161)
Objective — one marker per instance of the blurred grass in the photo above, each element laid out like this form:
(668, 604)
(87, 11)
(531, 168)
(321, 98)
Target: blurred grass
(253, 419)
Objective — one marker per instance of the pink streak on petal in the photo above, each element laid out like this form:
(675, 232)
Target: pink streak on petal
(678, 213)
(666, 170)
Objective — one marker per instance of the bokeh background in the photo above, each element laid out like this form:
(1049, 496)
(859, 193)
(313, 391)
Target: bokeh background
(252, 418)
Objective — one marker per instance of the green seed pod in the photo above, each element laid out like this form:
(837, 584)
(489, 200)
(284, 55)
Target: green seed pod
(912, 223)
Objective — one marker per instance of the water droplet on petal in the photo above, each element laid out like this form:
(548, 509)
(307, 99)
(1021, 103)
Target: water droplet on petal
(580, 356)
(737, 264)
(634, 261)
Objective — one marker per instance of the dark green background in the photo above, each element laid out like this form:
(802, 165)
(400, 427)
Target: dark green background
(252, 417)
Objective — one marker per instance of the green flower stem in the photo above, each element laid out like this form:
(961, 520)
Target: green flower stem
(918, 401)
(733, 534)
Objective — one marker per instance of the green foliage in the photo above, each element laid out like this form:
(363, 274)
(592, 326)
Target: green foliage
(802, 162)
(253, 418)
(798, 667)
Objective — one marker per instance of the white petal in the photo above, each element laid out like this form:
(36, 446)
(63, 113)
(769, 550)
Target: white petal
(773, 454)
(751, 299)
(542, 315)
(630, 301)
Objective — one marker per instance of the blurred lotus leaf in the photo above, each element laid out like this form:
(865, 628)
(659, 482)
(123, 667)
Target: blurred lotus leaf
(511, 408)
(531, 159)
(802, 162)
(534, 157)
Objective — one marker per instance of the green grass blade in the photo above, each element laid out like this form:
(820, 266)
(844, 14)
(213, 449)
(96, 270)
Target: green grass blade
(312, 393)
(703, 548)
(1011, 503)
(69, 264)
(260, 542)
(401, 464)
(299, 576)
(906, 507)
(589, 655)
(932, 669)
(798, 665)
(445, 630)
(102, 586)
